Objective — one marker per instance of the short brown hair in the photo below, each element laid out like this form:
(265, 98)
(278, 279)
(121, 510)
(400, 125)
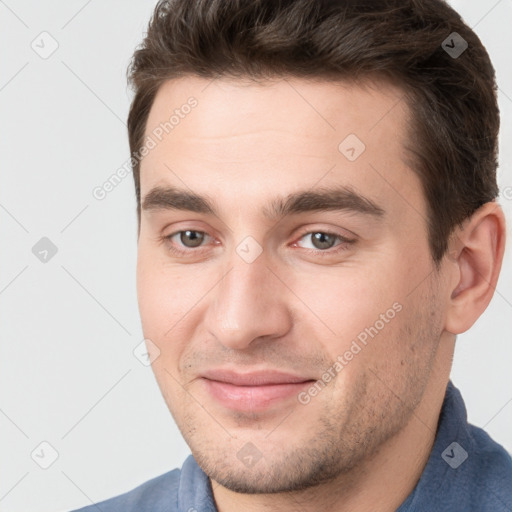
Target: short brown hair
(452, 99)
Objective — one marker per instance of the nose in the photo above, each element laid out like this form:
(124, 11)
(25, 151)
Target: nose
(249, 303)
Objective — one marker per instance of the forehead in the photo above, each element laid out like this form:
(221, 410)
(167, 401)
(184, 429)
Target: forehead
(307, 106)
(282, 134)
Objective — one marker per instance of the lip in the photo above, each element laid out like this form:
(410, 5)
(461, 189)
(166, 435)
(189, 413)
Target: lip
(255, 391)
(260, 378)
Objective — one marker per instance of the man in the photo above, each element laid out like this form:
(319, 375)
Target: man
(316, 187)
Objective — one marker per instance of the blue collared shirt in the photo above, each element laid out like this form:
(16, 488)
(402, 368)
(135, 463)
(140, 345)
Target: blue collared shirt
(466, 471)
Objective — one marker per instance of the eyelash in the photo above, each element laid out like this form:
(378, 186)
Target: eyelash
(342, 246)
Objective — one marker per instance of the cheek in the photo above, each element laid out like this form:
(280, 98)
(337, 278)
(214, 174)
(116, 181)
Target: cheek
(163, 292)
(160, 297)
(152, 299)
(347, 300)
(365, 312)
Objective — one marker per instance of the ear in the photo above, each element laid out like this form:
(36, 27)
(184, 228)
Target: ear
(476, 250)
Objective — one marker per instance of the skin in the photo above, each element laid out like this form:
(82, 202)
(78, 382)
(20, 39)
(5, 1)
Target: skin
(366, 436)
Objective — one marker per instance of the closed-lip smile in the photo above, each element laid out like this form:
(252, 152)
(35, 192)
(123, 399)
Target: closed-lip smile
(254, 391)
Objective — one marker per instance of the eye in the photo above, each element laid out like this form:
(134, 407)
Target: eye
(189, 238)
(189, 242)
(323, 241)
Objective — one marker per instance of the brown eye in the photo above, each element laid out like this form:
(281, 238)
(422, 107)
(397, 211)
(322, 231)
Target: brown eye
(322, 240)
(188, 243)
(324, 243)
(191, 238)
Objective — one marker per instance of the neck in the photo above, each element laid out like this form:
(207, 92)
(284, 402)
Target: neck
(387, 478)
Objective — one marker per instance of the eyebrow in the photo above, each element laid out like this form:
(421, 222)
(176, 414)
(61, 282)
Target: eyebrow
(340, 198)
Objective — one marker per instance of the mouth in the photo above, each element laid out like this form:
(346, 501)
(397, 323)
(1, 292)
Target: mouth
(255, 391)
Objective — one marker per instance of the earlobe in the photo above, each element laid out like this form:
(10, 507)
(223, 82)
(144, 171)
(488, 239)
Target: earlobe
(477, 253)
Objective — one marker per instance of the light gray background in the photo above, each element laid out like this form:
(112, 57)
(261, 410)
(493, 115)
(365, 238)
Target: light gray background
(68, 375)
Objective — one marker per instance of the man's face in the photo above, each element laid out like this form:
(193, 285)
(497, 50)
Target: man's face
(248, 289)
